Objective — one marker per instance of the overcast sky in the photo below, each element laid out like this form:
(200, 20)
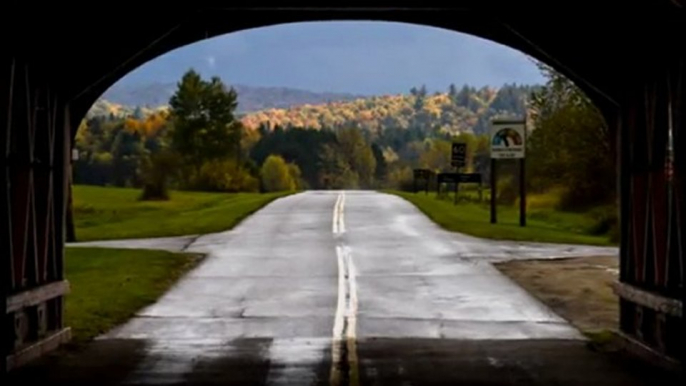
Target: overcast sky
(355, 57)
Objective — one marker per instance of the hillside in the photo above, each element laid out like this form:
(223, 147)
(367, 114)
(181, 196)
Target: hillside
(251, 98)
(465, 110)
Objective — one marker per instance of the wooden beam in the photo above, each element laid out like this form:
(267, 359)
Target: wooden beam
(37, 295)
(37, 349)
(651, 300)
(648, 354)
(679, 3)
(562, 67)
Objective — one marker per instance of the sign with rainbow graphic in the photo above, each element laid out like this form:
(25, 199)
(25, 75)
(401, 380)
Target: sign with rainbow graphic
(508, 139)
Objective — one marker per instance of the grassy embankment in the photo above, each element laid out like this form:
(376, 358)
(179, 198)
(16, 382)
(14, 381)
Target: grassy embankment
(543, 224)
(108, 286)
(102, 213)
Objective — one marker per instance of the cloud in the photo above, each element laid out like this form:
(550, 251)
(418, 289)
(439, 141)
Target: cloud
(210, 61)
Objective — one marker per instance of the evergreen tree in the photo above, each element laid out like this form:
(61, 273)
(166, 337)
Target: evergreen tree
(202, 113)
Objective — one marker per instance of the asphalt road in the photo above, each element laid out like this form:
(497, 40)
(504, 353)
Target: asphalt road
(347, 288)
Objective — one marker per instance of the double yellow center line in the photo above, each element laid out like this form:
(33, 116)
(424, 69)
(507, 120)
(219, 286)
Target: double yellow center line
(344, 362)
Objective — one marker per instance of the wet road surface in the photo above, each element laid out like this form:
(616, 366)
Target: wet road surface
(345, 288)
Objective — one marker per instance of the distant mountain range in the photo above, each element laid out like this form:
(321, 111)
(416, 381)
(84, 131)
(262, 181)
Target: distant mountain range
(250, 99)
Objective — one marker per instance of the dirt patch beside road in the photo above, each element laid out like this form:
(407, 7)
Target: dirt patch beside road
(578, 289)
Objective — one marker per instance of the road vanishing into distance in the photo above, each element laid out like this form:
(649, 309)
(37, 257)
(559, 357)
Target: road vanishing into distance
(346, 288)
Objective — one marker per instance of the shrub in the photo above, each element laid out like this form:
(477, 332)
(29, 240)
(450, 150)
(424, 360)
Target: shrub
(276, 175)
(547, 200)
(508, 191)
(614, 233)
(402, 178)
(156, 171)
(152, 191)
(224, 176)
(606, 221)
(296, 176)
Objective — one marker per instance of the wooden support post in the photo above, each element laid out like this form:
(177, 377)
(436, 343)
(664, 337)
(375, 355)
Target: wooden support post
(522, 193)
(494, 217)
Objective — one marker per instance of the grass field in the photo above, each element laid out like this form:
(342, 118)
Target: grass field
(108, 286)
(104, 213)
(543, 225)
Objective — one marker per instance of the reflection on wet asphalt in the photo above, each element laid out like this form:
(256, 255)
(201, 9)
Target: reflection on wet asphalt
(353, 287)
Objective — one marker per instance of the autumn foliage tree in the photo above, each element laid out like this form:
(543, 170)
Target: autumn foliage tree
(570, 145)
(358, 154)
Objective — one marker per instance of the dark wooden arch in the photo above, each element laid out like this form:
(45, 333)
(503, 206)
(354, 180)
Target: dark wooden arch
(628, 58)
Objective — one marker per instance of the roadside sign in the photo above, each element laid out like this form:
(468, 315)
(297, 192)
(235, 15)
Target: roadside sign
(451, 178)
(470, 178)
(448, 178)
(458, 156)
(508, 139)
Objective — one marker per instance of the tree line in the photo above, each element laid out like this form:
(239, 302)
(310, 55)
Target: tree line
(465, 109)
(199, 143)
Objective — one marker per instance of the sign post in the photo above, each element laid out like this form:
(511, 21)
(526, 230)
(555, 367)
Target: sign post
(508, 141)
(458, 159)
(422, 174)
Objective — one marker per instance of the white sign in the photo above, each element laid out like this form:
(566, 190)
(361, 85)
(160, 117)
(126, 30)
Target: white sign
(508, 139)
